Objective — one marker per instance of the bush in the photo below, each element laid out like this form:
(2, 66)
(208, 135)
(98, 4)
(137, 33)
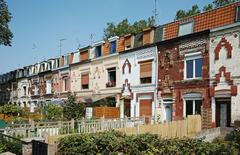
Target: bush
(117, 143)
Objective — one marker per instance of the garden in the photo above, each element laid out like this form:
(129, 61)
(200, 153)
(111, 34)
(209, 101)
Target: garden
(118, 143)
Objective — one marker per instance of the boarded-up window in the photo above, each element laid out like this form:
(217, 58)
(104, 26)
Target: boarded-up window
(146, 72)
(85, 81)
(83, 55)
(146, 107)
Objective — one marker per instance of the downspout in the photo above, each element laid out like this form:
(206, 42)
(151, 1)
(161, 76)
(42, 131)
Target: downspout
(156, 84)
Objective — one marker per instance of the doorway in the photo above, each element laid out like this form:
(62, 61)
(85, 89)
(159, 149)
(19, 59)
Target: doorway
(223, 112)
(127, 107)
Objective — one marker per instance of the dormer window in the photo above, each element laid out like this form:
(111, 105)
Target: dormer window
(113, 47)
(84, 55)
(128, 42)
(238, 14)
(98, 51)
(185, 28)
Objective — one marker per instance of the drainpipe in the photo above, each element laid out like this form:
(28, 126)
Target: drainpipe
(156, 83)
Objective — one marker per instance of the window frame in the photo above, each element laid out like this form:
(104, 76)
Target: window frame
(194, 57)
(100, 51)
(186, 23)
(82, 74)
(194, 105)
(115, 51)
(237, 19)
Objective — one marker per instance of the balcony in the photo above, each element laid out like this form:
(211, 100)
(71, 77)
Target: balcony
(111, 84)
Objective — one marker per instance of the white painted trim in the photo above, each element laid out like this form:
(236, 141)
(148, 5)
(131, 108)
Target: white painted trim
(193, 57)
(98, 43)
(115, 38)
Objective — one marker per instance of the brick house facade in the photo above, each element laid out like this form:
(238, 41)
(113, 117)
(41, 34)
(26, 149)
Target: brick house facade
(183, 72)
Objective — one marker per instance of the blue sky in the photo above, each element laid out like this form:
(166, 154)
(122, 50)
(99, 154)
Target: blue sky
(38, 25)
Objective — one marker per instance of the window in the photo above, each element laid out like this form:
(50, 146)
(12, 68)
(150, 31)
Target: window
(113, 47)
(85, 81)
(66, 60)
(193, 107)
(111, 77)
(146, 72)
(48, 87)
(24, 90)
(193, 67)
(238, 14)
(65, 84)
(128, 41)
(98, 51)
(185, 28)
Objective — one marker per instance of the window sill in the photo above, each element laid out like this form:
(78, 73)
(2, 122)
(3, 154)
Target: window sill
(192, 79)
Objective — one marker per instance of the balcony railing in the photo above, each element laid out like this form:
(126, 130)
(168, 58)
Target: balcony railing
(111, 84)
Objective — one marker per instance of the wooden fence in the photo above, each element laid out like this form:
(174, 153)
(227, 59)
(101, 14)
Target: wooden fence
(106, 112)
(182, 128)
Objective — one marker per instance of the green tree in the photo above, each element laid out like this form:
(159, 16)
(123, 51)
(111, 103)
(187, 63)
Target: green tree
(183, 14)
(10, 110)
(208, 7)
(72, 108)
(5, 17)
(219, 3)
(124, 27)
(54, 111)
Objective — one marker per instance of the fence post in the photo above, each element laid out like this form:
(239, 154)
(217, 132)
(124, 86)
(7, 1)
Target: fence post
(72, 124)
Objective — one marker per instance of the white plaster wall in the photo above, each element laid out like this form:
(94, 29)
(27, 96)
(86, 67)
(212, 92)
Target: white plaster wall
(232, 65)
(76, 72)
(134, 77)
(99, 74)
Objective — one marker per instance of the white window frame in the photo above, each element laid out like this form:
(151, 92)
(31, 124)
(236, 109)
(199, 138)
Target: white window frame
(48, 89)
(194, 105)
(191, 56)
(184, 24)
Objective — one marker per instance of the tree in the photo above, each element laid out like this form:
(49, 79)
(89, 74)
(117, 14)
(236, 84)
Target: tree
(10, 110)
(124, 27)
(208, 7)
(54, 111)
(5, 17)
(72, 108)
(183, 14)
(219, 3)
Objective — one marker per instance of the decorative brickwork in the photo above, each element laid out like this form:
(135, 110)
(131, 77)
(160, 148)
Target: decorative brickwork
(227, 45)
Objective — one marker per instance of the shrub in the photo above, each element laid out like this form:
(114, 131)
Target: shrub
(118, 143)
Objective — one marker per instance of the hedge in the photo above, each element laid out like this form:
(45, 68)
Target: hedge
(118, 143)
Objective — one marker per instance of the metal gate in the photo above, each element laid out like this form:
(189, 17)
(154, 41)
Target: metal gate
(39, 148)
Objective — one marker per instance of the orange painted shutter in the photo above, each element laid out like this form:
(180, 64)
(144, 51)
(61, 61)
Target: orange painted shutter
(85, 79)
(84, 55)
(128, 41)
(146, 69)
(146, 107)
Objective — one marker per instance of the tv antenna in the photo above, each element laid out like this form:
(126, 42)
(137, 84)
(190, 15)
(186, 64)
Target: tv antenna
(60, 45)
(78, 43)
(91, 37)
(155, 12)
(34, 48)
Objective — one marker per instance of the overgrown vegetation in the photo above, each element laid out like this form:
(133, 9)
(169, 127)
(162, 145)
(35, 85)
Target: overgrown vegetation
(54, 112)
(11, 146)
(195, 9)
(10, 110)
(124, 27)
(117, 143)
(73, 109)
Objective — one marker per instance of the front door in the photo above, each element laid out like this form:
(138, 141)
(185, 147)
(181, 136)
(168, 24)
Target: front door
(223, 112)
(127, 108)
(168, 110)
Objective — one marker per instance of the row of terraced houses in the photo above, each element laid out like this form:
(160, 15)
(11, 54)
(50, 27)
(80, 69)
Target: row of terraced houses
(189, 66)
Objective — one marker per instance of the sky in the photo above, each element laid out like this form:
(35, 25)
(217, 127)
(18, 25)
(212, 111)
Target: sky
(39, 25)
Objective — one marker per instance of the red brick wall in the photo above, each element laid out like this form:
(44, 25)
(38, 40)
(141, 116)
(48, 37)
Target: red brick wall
(207, 20)
(171, 77)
